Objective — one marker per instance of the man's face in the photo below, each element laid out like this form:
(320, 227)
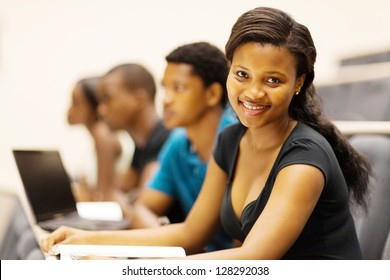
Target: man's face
(184, 97)
(118, 106)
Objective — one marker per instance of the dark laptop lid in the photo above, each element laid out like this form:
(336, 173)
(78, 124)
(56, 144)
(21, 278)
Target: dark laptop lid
(46, 183)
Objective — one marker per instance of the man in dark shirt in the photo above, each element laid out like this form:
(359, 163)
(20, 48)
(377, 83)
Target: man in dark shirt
(127, 103)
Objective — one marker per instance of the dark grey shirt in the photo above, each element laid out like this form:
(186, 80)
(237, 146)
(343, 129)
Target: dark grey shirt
(149, 153)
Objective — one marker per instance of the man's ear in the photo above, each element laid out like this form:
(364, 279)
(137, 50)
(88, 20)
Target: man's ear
(214, 94)
(141, 96)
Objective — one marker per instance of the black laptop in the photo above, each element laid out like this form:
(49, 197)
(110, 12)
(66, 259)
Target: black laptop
(48, 190)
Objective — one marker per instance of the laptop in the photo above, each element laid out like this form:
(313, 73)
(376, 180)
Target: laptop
(48, 190)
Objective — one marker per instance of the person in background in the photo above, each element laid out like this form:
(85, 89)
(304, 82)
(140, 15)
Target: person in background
(281, 180)
(128, 103)
(100, 172)
(194, 99)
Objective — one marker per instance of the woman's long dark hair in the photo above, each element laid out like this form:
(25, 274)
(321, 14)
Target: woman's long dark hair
(272, 26)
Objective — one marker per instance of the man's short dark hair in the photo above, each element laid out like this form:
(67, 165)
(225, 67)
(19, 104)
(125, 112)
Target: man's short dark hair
(208, 62)
(136, 76)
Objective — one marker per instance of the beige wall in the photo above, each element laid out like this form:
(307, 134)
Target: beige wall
(46, 45)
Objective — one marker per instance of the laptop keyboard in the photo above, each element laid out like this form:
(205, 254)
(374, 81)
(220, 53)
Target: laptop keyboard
(86, 224)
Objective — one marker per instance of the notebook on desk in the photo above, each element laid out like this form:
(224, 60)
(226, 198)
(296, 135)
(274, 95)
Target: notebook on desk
(75, 252)
(48, 190)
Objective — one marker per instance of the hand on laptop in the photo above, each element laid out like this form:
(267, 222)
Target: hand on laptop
(64, 235)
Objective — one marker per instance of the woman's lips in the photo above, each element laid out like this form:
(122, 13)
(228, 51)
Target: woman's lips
(252, 109)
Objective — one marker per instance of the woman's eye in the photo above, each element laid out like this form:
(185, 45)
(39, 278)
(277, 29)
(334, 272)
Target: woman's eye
(273, 80)
(242, 74)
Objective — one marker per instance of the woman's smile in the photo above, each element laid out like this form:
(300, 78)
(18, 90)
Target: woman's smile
(253, 109)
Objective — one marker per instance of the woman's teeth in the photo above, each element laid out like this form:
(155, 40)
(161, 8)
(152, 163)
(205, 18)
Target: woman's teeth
(253, 107)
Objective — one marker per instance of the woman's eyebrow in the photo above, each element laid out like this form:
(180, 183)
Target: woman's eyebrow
(240, 66)
(267, 72)
(275, 72)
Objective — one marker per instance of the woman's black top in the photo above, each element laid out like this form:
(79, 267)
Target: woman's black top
(330, 231)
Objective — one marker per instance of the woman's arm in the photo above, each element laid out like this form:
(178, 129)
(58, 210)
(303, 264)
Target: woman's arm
(294, 196)
(192, 234)
(295, 193)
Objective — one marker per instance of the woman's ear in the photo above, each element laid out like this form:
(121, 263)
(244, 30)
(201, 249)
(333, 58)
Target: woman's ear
(214, 94)
(299, 83)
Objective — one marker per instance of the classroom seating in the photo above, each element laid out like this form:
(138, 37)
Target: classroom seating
(357, 101)
(373, 227)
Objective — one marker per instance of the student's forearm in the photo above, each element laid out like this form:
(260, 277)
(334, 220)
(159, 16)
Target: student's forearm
(143, 217)
(170, 235)
(228, 254)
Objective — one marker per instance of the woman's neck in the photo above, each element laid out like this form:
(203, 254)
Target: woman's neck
(270, 136)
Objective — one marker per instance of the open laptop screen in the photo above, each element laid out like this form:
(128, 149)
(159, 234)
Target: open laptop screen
(47, 184)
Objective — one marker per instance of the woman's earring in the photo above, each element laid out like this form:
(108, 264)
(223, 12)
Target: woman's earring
(297, 93)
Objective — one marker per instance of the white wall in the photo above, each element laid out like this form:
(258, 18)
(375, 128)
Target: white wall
(46, 45)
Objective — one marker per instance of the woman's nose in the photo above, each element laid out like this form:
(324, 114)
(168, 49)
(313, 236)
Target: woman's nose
(255, 91)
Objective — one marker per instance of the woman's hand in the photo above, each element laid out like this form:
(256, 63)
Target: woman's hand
(64, 235)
